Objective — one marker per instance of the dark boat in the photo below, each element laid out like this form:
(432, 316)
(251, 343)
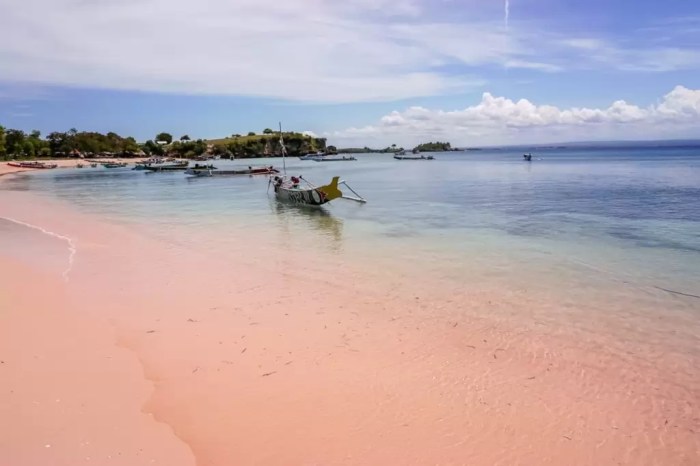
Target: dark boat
(414, 157)
(40, 165)
(167, 168)
(213, 171)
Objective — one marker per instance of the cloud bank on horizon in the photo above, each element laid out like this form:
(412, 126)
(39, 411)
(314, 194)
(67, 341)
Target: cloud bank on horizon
(498, 120)
(352, 52)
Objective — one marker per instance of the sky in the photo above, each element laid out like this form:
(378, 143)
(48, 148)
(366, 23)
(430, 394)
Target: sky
(358, 72)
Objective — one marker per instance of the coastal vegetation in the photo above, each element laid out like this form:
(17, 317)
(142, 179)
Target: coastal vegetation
(16, 144)
(267, 144)
(367, 150)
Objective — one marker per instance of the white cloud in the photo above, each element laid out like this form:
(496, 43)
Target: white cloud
(308, 50)
(499, 120)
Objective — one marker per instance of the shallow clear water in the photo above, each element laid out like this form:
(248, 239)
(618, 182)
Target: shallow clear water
(625, 215)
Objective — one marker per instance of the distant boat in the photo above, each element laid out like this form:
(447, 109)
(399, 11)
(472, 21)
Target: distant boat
(527, 157)
(413, 157)
(115, 165)
(213, 171)
(93, 165)
(334, 159)
(79, 165)
(167, 167)
(312, 156)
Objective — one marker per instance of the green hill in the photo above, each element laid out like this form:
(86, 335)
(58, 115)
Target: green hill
(267, 145)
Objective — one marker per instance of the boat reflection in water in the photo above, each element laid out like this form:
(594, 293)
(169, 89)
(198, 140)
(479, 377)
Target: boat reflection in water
(308, 223)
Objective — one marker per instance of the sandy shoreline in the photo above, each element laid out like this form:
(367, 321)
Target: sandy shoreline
(6, 169)
(247, 364)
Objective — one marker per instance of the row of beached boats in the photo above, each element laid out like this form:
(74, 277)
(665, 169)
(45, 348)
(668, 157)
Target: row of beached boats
(35, 165)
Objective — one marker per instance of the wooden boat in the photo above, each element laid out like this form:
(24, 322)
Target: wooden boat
(291, 189)
(167, 167)
(39, 165)
(334, 159)
(213, 171)
(312, 156)
(414, 157)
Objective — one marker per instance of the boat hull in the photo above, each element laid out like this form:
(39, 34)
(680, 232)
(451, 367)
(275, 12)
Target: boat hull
(167, 168)
(309, 196)
(334, 159)
(216, 172)
(414, 157)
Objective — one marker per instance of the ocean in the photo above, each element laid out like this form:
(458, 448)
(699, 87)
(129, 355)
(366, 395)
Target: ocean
(472, 297)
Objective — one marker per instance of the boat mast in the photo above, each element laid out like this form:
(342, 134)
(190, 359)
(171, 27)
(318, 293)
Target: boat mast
(284, 151)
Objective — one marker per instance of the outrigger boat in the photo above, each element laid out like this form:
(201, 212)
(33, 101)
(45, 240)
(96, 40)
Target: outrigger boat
(39, 165)
(167, 167)
(213, 171)
(291, 189)
(414, 157)
(334, 159)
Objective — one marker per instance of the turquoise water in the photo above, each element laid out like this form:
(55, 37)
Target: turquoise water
(625, 215)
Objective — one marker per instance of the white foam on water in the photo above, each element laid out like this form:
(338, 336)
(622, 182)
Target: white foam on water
(72, 249)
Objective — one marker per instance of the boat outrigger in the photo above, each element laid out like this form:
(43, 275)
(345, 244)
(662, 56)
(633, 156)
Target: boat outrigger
(291, 189)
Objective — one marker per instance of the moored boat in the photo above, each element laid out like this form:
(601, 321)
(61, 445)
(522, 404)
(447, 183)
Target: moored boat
(213, 171)
(312, 156)
(334, 159)
(291, 189)
(114, 164)
(414, 157)
(180, 165)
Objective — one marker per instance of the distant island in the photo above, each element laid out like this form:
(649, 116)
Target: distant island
(425, 147)
(433, 147)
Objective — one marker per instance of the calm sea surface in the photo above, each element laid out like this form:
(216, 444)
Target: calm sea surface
(570, 217)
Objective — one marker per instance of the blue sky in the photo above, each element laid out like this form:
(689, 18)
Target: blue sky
(360, 72)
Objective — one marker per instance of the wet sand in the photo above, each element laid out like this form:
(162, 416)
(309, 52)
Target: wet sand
(257, 355)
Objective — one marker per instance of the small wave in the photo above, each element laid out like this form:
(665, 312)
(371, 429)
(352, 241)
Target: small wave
(72, 249)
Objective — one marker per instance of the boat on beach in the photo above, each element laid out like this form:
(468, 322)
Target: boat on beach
(39, 165)
(414, 157)
(213, 171)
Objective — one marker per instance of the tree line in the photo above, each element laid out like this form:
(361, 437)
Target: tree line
(16, 144)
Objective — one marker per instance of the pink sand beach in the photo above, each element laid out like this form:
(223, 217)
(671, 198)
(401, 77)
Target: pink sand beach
(118, 348)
